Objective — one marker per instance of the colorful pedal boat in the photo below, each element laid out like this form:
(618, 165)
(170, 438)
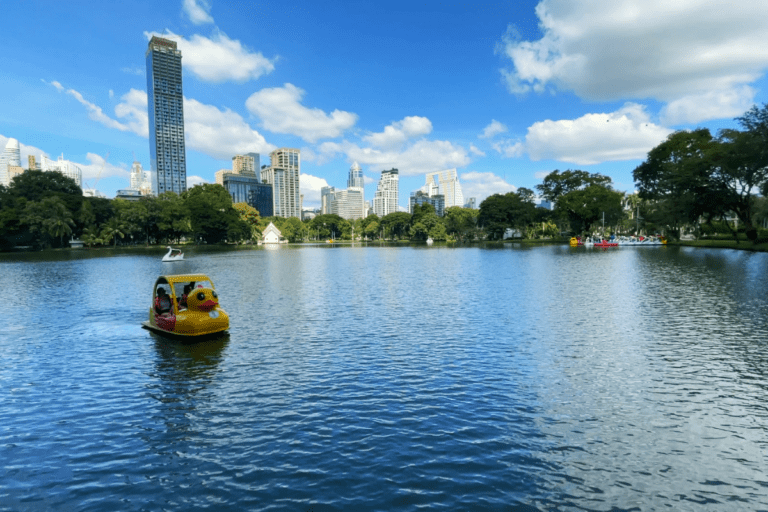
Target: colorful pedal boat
(187, 315)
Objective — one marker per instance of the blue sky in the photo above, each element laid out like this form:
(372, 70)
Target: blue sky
(504, 92)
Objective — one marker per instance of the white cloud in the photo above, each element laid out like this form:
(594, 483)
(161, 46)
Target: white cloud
(197, 11)
(709, 105)
(483, 184)
(281, 111)
(508, 148)
(132, 109)
(219, 58)
(475, 151)
(421, 157)
(195, 180)
(540, 175)
(398, 132)
(99, 167)
(94, 111)
(609, 50)
(626, 134)
(493, 129)
(218, 133)
(310, 186)
(411, 159)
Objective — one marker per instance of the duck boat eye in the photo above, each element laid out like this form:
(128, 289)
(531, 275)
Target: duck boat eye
(200, 296)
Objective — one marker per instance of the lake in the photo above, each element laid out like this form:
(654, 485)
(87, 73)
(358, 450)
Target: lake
(384, 378)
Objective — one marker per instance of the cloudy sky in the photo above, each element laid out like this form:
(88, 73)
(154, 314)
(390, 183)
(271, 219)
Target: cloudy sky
(504, 92)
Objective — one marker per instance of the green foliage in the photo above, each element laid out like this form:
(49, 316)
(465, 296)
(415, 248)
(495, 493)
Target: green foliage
(250, 216)
(557, 184)
(212, 217)
(501, 211)
(396, 224)
(700, 177)
(461, 222)
(329, 225)
(582, 198)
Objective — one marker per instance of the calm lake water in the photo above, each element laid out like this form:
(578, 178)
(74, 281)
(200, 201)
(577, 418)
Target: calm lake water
(390, 378)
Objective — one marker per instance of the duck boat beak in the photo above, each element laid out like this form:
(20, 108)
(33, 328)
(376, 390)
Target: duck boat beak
(207, 305)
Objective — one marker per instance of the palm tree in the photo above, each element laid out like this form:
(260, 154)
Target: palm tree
(59, 221)
(112, 229)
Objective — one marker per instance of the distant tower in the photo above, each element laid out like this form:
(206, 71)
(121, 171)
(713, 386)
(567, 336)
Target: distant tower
(355, 177)
(165, 104)
(387, 193)
(10, 157)
(65, 167)
(244, 164)
(447, 184)
(140, 179)
(283, 174)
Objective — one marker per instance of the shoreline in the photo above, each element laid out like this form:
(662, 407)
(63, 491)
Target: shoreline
(743, 245)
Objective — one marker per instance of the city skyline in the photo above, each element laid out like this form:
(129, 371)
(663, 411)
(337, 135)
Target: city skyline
(503, 92)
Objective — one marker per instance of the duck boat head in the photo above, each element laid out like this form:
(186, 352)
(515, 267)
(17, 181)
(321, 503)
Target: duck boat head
(187, 306)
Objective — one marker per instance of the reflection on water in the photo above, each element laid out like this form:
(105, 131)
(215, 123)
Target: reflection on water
(378, 378)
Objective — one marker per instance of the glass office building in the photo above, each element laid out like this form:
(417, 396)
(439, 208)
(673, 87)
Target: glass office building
(247, 189)
(165, 106)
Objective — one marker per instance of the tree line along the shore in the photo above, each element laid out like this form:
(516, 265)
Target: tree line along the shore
(692, 182)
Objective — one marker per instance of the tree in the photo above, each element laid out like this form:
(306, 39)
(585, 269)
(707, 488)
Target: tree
(461, 222)
(702, 177)
(250, 216)
(293, 229)
(501, 211)
(173, 217)
(556, 184)
(329, 225)
(369, 226)
(212, 215)
(114, 228)
(59, 221)
(582, 198)
(396, 224)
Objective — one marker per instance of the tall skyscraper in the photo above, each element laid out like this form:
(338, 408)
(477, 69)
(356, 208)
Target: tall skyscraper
(447, 184)
(387, 193)
(165, 105)
(283, 174)
(355, 177)
(10, 157)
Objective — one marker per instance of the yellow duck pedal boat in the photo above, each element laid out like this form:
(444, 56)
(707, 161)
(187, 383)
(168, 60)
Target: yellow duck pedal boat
(186, 306)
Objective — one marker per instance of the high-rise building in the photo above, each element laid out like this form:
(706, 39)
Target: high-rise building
(283, 174)
(247, 189)
(165, 105)
(471, 203)
(141, 180)
(65, 167)
(326, 197)
(447, 184)
(355, 177)
(244, 164)
(33, 165)
(347, 204)
(420, 197)
(219, 175)
(350, 203)
(10, 157)
(387, 193)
